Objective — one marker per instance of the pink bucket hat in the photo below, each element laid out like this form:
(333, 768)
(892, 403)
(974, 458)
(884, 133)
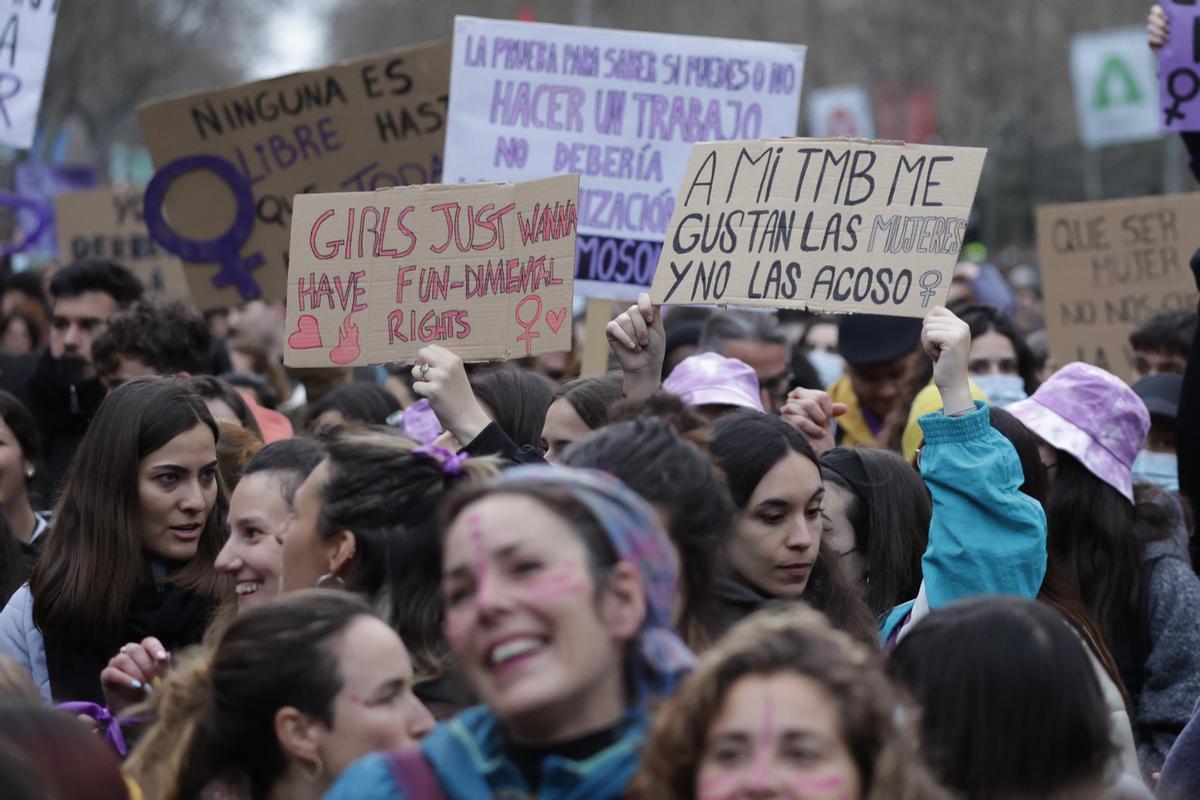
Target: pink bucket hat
(1094, 416)
(712, 379)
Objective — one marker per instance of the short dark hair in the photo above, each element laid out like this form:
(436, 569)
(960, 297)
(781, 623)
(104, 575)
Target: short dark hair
(292, 460)
(976, 668)
(518, 401)
(95, 275)
(592, 398)
(358, 401)
(739, 325)
(27, 282)
(1167, 332)
(165, 336)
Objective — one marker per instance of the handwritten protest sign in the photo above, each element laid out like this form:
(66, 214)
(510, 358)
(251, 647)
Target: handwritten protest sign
(483, 269)
(1113, 74)
(830, 225)
(1107, 266)
(1179, 68)
(231, 160)
(25, 39)
(622, 109)
(107, 223)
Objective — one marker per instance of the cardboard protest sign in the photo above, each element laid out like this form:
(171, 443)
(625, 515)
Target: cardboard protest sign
(25, 37)
(1179, 68)
(1115, 98)
(622, 109)
(483, 269)
(840, 111)
(107, 223)
(1107, 266)
(831, 225)
(230, 161)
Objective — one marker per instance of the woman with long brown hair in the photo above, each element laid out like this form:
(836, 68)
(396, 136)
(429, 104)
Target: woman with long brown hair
(131, 551)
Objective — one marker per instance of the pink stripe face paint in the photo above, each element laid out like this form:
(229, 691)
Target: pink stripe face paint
(803, 784)
(764, 746)
(718, 787)
(558, 582)
(479, 549)
(460, 619)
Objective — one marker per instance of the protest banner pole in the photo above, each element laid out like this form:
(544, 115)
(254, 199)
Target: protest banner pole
(595, 342)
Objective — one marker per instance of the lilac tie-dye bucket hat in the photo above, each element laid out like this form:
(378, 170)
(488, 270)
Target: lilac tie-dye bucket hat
(1092, 415)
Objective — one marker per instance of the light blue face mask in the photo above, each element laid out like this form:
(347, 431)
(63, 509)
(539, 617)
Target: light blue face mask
(829, 366)
(1160, 469)
(1001, 390)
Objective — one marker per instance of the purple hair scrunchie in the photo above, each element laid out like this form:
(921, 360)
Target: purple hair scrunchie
(451, 463)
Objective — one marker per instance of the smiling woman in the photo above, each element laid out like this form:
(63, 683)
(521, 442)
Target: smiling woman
(138, 511)
(560, 586)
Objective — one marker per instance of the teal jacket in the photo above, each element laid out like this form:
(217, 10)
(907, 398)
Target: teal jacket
(466, 754)
(986, 536)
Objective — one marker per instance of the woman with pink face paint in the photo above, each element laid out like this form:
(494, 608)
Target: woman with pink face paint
(560, 585)
(784, 707)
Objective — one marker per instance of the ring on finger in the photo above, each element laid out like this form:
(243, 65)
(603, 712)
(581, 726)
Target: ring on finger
(424, 371)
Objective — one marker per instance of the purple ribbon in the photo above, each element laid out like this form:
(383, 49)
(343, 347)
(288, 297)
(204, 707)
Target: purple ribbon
(451, 462)
(112, 730)
(18, 204)
(226, 248)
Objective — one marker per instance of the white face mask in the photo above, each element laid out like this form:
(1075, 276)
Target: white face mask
(829, 366)
(1160, 469)
(1001, 390)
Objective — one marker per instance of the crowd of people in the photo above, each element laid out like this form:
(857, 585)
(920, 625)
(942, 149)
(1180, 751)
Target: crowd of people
(766, 555)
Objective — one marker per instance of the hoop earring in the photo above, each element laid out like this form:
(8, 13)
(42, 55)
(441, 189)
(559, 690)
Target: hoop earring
(329, 577)
(313, 771)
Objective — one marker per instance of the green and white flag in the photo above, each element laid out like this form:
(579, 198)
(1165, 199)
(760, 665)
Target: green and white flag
(1116, 90)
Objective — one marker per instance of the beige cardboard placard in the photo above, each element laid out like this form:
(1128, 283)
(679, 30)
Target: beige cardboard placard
(357, 126)
(1107, 266)
(107, 223)
(832, 225)
(484, 269)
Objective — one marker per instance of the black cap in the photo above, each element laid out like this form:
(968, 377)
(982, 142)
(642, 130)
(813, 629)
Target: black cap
(865, 340)
(1161, 393)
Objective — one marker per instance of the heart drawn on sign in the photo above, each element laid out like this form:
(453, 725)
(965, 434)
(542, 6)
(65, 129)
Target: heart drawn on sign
(555, 320)
(347, 347)
(307, 335)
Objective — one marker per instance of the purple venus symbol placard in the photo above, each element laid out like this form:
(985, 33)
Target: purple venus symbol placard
(235, 270)
(1179, 68)
(16, 203)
